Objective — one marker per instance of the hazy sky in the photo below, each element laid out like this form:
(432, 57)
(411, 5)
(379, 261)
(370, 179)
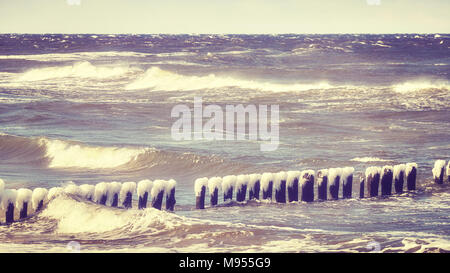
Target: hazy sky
(224, 16)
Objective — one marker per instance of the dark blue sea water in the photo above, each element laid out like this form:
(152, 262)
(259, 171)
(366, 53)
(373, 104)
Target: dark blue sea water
(93, 108)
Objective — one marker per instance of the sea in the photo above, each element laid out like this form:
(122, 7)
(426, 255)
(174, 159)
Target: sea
(90, 108)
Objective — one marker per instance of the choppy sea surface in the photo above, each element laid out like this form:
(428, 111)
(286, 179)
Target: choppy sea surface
(90, 108)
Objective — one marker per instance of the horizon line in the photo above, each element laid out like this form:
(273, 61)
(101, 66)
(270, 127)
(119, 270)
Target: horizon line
(212, 33)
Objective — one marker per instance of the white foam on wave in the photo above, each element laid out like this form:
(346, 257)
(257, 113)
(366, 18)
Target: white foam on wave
(79, 217)
(368, 159)
(78, 70)
(420, 85)
(63, 154)
(52, 57)
(158, 79)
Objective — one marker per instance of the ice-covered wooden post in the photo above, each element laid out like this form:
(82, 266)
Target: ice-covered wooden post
(292, 185)
(334, 177)
(241, 187)
(438, 171)
(254, 186)
(22, 200)
(307, 185)
(170, 194)
(399, 177)
(387, 175)
(53, 192)
(72, 189)
(101, 193)
(373, 180)
(214, 184)
(361, 187)
(113, 193)
(322, 184)
(347, 182)
(144, 188)
(87, 191)
(228, 183)
(126, 194)
(267, 185)
(411, 175)
(8, 200)
(157, 193)
(280, 187)
(448, 171)
(38, 198)
(200, 190)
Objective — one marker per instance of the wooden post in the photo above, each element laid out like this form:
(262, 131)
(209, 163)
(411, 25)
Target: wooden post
(101, 193)
(200, 190)
(438, 171)
(322, 184)
(157, 193)
(126, 194)
(38, 197)
(267, 185)
(347, 182)
(241, 187)
(144, 188)
(280, 187)
(22, 200)
(399, 177)
(361, 187)
(387, 175)
(334, 176)
(373, 180)
(8, 200)
(170, 194)
(411, 175)
(307, 185)
(113, 193)
(254, 186)
(228, 183)
(214, 184)
(292, 185)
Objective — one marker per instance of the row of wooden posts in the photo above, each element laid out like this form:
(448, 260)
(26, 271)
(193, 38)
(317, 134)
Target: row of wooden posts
(328, 181)
(102, 193)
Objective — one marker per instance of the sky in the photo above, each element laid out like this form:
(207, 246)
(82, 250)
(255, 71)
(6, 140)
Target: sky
(224, 16)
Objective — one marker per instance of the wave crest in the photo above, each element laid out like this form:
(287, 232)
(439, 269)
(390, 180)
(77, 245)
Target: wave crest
(79, 70)
(159, 79)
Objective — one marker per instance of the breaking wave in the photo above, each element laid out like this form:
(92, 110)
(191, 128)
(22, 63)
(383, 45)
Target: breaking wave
(79, 70)
(421, 85)
(159, 79)
(71, 155)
